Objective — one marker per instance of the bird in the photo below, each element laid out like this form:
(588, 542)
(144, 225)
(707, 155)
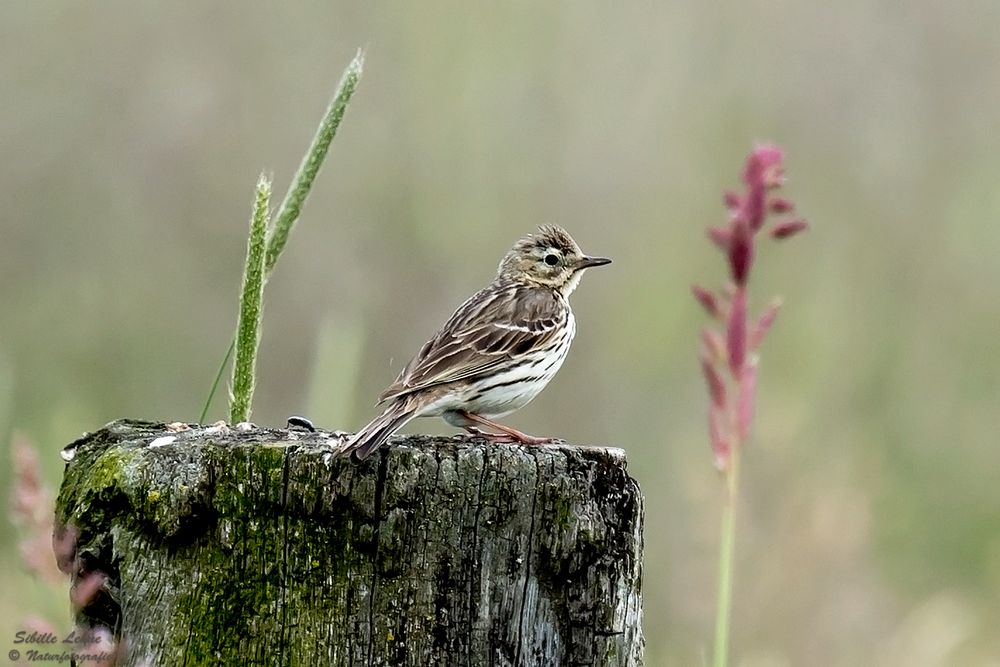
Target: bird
(496, 352)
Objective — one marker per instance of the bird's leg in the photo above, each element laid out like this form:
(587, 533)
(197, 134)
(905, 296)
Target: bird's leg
(492, 437)
(509, 434)
(478, 432)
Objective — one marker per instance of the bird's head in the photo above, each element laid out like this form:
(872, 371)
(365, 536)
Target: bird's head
(549, 258)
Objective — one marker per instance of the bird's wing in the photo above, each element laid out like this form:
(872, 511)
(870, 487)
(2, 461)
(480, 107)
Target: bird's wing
(494, 326)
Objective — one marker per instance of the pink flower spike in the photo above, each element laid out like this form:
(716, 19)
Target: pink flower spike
(736, 332)
(708, 300)
(720, 237)
(732, 200)
(764, 324)
(716, 388)
(720, 440)
(40, 625)
(85, 589)
(780, 205)
(761, 165)
(29, 505)
(745, 400)
(64, 539)
(37, 559)
(754, 210)
(784, 230)
(740, 252)
(713, 347)
(774, 177)
(762, 172)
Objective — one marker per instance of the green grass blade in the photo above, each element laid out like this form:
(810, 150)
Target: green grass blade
(251, 307)
(291, 205)
(215, 382)
(290, 209)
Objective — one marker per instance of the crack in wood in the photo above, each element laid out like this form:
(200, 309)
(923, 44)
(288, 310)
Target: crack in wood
(383, 462)
(284, 554)
(529, 555)
(473, 580)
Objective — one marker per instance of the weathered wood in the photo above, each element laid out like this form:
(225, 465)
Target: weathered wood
(261, 548)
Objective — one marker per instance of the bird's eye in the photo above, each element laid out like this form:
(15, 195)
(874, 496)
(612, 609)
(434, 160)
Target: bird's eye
(552, 259)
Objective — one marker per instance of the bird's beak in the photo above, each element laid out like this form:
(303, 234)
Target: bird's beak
(587, 262)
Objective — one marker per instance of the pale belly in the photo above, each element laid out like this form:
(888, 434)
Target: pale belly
(503, 393)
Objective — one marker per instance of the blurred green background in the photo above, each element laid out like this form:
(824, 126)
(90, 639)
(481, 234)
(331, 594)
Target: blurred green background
(131, 137)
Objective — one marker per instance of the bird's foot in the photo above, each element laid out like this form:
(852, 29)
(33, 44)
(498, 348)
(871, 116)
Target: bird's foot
(491, 437)
(507, 434)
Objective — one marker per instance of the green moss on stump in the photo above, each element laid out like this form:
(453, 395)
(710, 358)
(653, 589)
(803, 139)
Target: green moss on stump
(240, 547)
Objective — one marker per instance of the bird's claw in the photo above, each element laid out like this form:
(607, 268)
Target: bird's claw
(520, 438)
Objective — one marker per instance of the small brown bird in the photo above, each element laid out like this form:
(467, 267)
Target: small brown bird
(496, 352)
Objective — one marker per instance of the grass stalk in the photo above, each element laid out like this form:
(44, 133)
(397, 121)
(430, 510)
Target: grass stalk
(298, 191)
(727, 543)
(288, 212)
(251, 307)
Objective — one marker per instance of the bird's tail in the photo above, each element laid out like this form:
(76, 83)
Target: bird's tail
(378, 430)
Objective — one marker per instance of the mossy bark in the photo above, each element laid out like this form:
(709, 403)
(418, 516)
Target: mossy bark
(262, 547)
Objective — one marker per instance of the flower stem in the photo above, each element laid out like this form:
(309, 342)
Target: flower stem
(288, 211)
(291, 205)
(218, 378)
(727, 543)
(251, 307)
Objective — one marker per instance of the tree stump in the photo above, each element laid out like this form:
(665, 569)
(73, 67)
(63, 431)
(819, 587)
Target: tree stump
(261, 547)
